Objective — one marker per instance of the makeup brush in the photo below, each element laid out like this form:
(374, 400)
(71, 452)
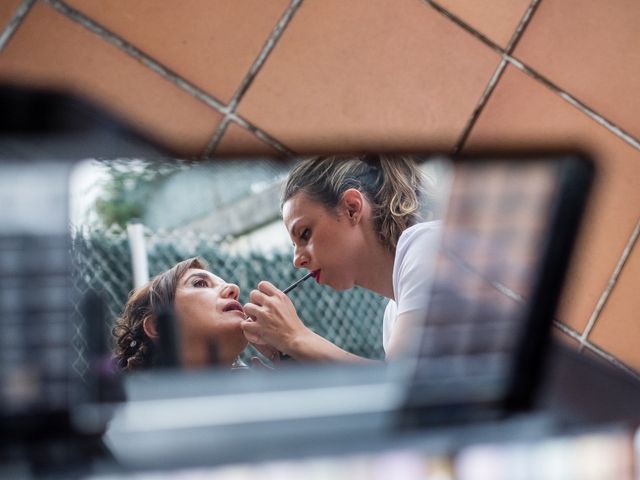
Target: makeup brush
(297, 282)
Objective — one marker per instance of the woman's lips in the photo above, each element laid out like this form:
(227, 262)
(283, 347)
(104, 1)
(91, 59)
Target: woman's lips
(233, 306)
(316, 275)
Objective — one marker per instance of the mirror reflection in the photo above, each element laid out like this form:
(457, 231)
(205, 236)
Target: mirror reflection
(203, 252)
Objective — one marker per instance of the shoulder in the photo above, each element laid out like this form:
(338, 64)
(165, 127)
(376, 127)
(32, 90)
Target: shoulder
(418, 234)
(416, 251)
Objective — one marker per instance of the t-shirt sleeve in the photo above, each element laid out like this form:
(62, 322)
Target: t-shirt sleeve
(416, 270)
(387, 323)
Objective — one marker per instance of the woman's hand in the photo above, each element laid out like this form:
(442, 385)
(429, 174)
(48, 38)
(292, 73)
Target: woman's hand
(274, 320)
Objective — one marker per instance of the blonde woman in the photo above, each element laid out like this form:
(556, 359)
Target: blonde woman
(353, 221)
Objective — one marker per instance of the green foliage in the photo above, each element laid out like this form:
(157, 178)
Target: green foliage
(129, 187)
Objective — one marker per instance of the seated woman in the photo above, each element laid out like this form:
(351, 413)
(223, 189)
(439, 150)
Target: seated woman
(208, 318)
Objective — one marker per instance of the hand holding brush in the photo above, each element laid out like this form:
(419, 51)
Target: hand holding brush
(257, 298)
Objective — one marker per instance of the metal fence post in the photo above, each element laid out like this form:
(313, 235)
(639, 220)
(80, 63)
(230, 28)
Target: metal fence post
(139, 264)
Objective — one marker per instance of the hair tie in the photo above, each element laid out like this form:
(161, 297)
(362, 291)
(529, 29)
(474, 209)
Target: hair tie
(133, 343)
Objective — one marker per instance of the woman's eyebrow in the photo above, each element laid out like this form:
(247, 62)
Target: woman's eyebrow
(296, 228)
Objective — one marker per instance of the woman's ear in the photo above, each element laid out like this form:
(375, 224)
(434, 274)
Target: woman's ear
(353, 204)
(149, 327)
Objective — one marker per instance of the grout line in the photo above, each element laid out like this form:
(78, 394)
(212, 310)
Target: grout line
(14, 22)
(612, 282)
(139, 55)
(264, 53)
(246, 82)
(506, 57)
(583, 343)
(619, 132)
(484, 97)
(522, 25)
(581, 339)
(493, 81)
(611, 359)
(483, 38)
(214, 141)
(594, 349)
(261, 134)
(568, 330)
(499, 286)
(466, 131)
(164, 72)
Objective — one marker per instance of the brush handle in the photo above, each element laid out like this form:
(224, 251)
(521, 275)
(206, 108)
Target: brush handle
(297, 282)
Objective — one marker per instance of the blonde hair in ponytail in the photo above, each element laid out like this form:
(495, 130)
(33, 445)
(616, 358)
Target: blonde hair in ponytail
(391, 183)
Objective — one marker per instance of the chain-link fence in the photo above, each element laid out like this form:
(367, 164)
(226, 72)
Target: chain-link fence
(102, 264)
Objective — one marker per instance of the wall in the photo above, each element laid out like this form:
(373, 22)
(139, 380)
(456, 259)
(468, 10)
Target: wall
(296, 76)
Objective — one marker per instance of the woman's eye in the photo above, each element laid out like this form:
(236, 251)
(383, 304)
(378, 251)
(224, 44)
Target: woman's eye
(200, 283)
(306, 234)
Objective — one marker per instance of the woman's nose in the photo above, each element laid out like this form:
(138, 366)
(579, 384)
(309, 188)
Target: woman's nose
(300, 259)
(231, 290)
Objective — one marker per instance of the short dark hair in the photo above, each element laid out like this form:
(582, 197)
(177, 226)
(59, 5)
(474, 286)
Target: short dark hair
(133, 348)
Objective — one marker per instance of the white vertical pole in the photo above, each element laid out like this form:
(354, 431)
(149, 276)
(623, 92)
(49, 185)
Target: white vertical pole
(139, 265)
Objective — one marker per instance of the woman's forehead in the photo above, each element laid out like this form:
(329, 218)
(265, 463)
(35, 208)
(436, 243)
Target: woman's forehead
(300, 206)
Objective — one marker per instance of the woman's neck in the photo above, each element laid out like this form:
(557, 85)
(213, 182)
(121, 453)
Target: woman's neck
(197, 353)
(375, 271)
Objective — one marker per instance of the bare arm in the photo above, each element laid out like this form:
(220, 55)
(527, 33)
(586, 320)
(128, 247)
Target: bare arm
(276, 323)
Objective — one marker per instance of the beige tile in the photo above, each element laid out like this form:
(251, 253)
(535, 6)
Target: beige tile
(7, 9)
(371, 74)
(590, 49)
(211, 44)
(522, 111)
(51, 50)
(496, 19)
(565, 339)
(238, 141)
(618, 328)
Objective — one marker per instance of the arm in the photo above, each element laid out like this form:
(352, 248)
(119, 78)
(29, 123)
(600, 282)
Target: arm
(406, 332)
(276, 323)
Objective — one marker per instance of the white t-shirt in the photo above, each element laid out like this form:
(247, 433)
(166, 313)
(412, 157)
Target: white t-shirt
(413, 269)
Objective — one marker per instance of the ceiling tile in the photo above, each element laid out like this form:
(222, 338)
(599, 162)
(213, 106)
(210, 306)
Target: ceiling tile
(618, 328)
(50, 50)
(238, 141)
(496, 19)
(590, 50)
(7, 9)
(369, 74)
(210, 44)
(565, 339)
(522, 111)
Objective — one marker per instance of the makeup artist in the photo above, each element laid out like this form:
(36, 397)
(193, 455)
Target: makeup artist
(354, 221)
